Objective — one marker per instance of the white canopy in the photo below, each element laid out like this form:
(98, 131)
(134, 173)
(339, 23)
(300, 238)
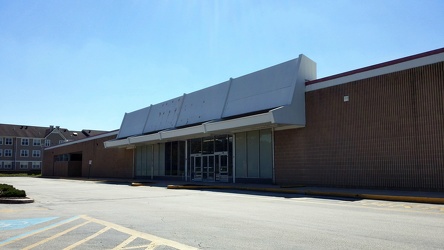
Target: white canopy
(272, 97)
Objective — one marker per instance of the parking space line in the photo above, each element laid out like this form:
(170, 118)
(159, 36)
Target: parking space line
(133, 247)
(126, 242)
(25, 235)
(154, 241)
(150, 237)
(151, 246)
(56, 236)
(80, 242)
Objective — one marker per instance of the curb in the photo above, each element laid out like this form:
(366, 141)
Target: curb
(416, 199)
(16, 200)
(139, 184)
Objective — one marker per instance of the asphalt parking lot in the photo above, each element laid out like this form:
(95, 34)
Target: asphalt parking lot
(79, 214)
(77, 232)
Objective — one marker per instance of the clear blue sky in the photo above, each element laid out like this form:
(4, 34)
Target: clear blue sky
(84, 63)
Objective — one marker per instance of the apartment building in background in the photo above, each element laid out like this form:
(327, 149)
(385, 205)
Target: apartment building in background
(22, 146)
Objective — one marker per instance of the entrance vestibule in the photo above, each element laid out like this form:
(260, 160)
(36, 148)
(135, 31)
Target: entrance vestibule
(210, 167)
(210, 159)
(243, 156)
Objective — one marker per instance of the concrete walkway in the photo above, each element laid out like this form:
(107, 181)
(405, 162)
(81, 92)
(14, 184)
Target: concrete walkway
(373, 194)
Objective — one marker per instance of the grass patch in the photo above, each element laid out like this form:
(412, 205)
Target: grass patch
(10, 191)
(19, 175)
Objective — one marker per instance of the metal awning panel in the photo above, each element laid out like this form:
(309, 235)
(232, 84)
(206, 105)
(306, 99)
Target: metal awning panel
(279, 89)
(133, 123)
(163, 115)
(203, 105)
(265, 89)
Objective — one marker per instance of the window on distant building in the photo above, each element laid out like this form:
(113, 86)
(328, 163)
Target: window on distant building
(8, 152)
(36, 142)
(7, 165)
(36, 153)
(8, 141)
(23, 165)
(64, 157)
(1, 152)
(47, 143)
(25, 141)
(61, 141)
(36, 165)
(24, 153)
(1, 140)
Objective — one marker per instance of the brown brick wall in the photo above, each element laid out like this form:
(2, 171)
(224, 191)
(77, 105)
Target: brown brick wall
(107, 163)
(389, 135)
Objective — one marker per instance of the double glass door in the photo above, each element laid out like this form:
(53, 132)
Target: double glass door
(210, 167)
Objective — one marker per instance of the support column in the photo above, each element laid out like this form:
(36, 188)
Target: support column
(234, 158)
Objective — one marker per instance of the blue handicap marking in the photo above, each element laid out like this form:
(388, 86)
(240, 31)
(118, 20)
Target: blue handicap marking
(22, 223)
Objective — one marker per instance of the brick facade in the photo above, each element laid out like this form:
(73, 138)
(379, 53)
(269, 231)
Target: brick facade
(390, 134)
(106, 163)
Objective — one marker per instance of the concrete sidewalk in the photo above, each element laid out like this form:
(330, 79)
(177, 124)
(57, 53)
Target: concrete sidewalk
(373, 194)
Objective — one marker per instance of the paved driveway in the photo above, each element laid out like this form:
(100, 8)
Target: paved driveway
(71, 214)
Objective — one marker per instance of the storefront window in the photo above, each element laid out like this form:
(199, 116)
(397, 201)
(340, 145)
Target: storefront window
(221, 143)
(195, 146)
(254, 154)
(175, 158)
(208, 145)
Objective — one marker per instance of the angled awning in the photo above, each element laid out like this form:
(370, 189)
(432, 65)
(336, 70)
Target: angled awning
(272, 97)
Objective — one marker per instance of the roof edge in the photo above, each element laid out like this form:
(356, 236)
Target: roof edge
(377, 66)
(106, 134)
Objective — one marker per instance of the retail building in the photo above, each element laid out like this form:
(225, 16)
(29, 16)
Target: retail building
(377, 127)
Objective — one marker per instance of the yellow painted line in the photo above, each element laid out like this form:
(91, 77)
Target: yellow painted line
(430, 200)
(126, 242)
(150, 237)
(23, 236)
(151, 246)
(55, 236)
(135, 247)
(80, 242)
(10, 210)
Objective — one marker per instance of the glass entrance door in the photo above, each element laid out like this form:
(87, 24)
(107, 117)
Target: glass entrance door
(209, 159)
(210, 168)
(196, 165)
(221, 166)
